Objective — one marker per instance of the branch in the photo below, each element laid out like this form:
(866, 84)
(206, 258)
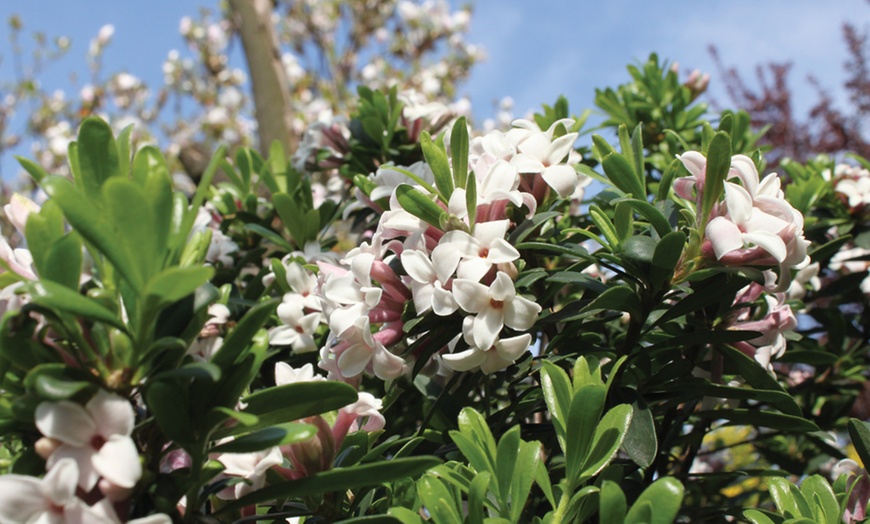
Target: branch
(269, 84)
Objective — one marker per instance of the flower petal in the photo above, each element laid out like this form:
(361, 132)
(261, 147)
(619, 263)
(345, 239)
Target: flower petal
(113, 414)
(464, 360)
(521, 313)
(563, 178)
(118, 461)
(470, 296)
(65, 421)
(724, 236)
(60, 482)
(21, 498)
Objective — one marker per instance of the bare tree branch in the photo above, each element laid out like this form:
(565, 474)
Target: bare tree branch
(269, 84)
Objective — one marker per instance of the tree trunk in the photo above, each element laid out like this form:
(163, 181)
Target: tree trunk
(269, 84)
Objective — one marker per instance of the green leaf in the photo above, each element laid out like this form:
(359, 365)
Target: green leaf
(762, 419)
(151, 173)
(170, 404)
(640, 442)
(788, 498)
(718, 165)
(557, 394)
(477, 496)
(439, 501)
(664, 497)
(281, 435)
(270, 235)
(609, 435)
(33, 169)
(98, 159)
(860, 435)
(93, 227)
(649, 212)
(55, 381)
(527, 462)
(133, 221)
(618, 298)
(586, 408)
(421, 206)
(817, 489)
(757, 517)
(63, 261)
(602, 221)
(296, 401)
(473, 427)
(621, 173)
(124, 150)
(611, 502)
(459, 151)
(437, 160)
(175, 283)
(758, 377)
(235, 344)
(61, 298)
(505, 463)
(338, 480)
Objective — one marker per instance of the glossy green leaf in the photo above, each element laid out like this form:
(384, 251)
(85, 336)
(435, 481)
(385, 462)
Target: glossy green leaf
(281, 435)
(649, 212)
(132, 220)
(33, 169)
(63, 261)
(175, 283)
(718, 165)
(56, 381)
(641, 442)
(98, 159)
(168, 401)
(296, 401)
(788, 498)
(528, 460)
(124, 146)
(762, 419)
(237, 341)
(612, 505)
(421, 206)
(203, 371)
(860, 435)
(617, 298)
(439, 501)
(605, 225)
(609, 435)
(61, 298)
(338, 480)
(151, 173)
(437, 160)
(664, 496)
(459, 151)
(473, 426)
(757, 517)
(583, 415)
(557, 394)
(92, 226)
(405, 516)
(477, 496)
(816, 488)
(621, 173)
(505, 463)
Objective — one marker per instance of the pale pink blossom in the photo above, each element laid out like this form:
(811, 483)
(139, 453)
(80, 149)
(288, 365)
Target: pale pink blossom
(96, 436)
(495, 306)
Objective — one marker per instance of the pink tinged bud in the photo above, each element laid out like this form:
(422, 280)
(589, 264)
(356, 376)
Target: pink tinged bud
(45, 446)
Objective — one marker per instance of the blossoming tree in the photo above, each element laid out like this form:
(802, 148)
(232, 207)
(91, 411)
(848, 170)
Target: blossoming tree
(407, 319)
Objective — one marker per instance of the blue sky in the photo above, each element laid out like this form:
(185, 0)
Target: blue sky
(536, 50)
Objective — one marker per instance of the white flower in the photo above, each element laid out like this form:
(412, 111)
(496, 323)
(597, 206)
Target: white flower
(500, 355)
(427, 289)
(298, 329)
(250, 466)
(96, 436)
(472, 256)
(496, 306)
(50, 500)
